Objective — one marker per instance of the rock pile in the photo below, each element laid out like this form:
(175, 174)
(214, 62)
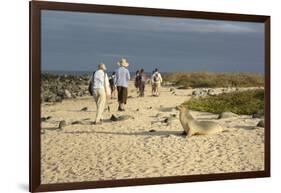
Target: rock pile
(55, 88)
(201, 92)
(260, 123)
(226, 115)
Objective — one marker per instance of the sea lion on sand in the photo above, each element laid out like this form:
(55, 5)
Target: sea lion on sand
(194, 127)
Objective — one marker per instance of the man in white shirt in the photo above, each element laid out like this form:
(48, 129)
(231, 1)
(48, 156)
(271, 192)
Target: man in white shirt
(156, 80)
(101, 90)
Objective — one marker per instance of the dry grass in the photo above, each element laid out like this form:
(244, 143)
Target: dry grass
(207, 79)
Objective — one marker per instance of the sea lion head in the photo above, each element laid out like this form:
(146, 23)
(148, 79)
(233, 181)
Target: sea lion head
(181, 108)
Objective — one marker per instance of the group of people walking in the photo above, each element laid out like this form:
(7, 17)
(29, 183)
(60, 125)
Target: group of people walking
(103, 87)
(155, 80)
(140, 79)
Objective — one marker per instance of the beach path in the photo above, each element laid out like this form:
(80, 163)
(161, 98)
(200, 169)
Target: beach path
(147, 143)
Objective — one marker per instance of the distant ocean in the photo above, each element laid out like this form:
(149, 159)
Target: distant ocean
(79, 73)
(75, 73)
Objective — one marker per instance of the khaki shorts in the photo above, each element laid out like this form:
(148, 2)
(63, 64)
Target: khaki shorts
(156, 85)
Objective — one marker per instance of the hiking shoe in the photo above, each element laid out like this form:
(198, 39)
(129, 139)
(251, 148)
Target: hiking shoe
(97, 123)
(120, 109)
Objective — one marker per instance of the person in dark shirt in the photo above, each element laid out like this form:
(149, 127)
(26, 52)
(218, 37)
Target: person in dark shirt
(142, 80)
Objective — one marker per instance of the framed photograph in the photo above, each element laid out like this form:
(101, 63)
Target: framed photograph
(123, 96)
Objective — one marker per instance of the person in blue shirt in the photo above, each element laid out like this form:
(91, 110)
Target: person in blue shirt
(122, 79)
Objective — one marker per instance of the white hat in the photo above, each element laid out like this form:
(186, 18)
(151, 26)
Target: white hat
(102, 66)
(123, 62)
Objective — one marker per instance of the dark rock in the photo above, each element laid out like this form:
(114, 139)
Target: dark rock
(76, 122)
(258, 114)
(226, 115)
(205, 90)
(166, 120)
(58, 99)
(183, 133)
(80, 93)
(196, 93)
(211, 92)
(172, 89)
(137, 109)
(225, 90)
(113, 118)
(45, 118)
(50, 98)
(169, 119)
(125, 117)
(60, 93)
(152, 130)
(62, 124)
(149, 108)
(84, 109)
(260, 123)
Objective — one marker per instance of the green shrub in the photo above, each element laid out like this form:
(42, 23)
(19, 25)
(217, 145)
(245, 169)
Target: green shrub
(246, 102)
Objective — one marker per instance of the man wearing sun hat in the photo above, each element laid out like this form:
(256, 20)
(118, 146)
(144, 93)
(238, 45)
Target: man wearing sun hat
(101, 90)
(122, 78)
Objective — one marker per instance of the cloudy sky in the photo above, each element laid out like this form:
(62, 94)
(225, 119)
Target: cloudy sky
(75, 41)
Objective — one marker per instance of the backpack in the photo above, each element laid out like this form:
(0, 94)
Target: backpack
(138, 78)
(156, 77)
(90, 87)
(91, 83)
(111, 81)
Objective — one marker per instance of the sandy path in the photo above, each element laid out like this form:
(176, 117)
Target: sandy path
(126, 149)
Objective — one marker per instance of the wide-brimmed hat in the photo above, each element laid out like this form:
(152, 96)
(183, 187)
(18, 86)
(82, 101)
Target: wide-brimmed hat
(102, 66)
(123, 62)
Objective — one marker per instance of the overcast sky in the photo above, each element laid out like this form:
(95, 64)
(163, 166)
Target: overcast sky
(75, 41)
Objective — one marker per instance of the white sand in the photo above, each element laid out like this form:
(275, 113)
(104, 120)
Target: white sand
(126, 149)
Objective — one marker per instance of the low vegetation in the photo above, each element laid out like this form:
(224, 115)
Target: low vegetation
(207, 79)
(246, 102)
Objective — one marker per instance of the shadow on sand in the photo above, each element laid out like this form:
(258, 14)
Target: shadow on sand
(144, 133)
(51, 128)
(166, 109)
(245, 127)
